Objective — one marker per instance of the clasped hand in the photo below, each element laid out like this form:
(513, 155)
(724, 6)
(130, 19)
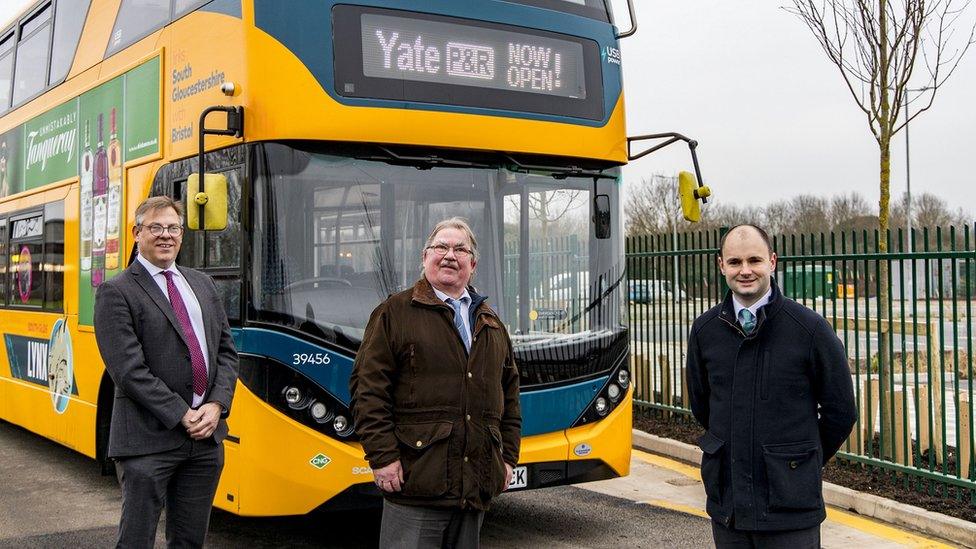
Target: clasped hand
(202, 422)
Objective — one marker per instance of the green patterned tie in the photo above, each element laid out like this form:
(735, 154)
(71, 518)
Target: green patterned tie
(747, 320)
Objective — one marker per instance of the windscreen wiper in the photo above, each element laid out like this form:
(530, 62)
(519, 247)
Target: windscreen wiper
(425, 162)
(556, 172)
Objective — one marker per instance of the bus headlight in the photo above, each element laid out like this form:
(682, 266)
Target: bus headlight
(613, 391)
(342, 426)
(292, 395)
(601, 406)
(295, 399)
(623, 378)
(320, 412)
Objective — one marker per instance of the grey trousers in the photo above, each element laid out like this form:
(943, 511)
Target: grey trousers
(730, 538)
(414, 527)
(184, 480)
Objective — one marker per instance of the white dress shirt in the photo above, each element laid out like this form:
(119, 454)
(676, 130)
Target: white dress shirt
(192, 307)
(754, 308)
(465, 300)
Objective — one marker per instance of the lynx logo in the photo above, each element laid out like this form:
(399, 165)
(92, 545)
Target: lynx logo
(320, 461)
(612, 54)
(582, 449)
(45, 362)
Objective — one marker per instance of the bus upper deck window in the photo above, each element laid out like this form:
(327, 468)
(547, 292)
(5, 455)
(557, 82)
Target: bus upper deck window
(183, 7)
(6, 72)
(68, 23)
(136, 19)
(37, 19)
(7, 43)
(30, 69)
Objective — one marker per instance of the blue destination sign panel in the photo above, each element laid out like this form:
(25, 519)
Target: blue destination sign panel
(417, 57)
(448, 53)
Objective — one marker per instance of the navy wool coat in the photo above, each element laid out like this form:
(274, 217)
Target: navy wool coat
(776, 405)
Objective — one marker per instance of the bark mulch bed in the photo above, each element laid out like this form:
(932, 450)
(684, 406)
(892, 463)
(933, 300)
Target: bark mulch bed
(950, 500)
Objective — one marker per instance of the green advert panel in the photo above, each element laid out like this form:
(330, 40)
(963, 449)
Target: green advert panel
(11, 162)
(51, 146)
(100, 178)
(142, 110)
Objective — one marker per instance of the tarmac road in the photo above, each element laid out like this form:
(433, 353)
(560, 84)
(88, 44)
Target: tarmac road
(51, 496)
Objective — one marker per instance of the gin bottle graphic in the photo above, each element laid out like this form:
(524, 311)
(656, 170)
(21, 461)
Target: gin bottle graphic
(114, 199)
(99, 208)
(87, 176)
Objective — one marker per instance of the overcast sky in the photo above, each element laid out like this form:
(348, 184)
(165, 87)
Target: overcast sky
(772, 117)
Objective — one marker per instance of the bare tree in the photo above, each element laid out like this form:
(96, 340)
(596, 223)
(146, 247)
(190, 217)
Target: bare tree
(809, 214)
(886, 50)
(930, 212)
(653, 206)
(846, 210)
(719, 215)
(878, 45)
(549, 208)
(776, 217)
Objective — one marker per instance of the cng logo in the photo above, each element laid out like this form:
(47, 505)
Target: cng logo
(320, 461)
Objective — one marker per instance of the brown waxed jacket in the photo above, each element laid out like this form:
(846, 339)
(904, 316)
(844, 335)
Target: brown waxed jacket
(452, 419)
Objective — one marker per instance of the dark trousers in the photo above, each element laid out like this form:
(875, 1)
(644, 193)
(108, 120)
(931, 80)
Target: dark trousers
(730, 538)
(184, 480)
(414, 527)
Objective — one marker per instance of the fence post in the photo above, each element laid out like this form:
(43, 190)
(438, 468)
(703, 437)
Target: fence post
(867, 427)
(666, 392)
(933, 440)
(637, 372)
(962, 435)
(901, 455)
(856, 440)
(685, 400)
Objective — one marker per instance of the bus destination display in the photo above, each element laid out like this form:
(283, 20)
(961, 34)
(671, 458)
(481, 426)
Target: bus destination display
(454, 54)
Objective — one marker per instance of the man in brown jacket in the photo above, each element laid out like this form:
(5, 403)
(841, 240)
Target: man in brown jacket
(435, 396)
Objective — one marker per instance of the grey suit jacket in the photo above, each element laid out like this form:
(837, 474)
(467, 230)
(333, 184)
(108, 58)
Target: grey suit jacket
(144, 351)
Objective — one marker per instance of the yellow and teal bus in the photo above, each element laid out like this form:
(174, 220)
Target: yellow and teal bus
(351, 128)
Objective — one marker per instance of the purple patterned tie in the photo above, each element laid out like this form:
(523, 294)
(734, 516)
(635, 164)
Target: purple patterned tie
(196, 355)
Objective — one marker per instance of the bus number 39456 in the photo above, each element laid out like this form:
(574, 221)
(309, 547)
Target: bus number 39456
(310, 358)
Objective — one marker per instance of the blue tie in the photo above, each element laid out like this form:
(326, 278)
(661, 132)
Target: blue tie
(747, 320)
(459, 322)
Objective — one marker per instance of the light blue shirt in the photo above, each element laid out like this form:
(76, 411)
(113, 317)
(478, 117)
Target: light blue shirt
(754, 308)
(192, 307)
(465, 300)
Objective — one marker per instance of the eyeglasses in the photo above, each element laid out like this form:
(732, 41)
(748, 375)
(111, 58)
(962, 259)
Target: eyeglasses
(157, 230)
(459, 250)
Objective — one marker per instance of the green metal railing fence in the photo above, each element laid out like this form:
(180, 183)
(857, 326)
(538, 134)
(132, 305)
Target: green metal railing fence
(904, 315)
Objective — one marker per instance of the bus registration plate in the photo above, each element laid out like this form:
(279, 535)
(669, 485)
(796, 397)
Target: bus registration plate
(520, 478)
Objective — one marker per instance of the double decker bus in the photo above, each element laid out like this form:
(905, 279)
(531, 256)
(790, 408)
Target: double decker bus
(351, 128)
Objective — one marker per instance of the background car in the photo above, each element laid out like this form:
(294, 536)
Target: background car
(645, 291)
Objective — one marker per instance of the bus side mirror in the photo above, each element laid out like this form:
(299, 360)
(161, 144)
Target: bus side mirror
(690, 193)
(212, 200)
(601, 215)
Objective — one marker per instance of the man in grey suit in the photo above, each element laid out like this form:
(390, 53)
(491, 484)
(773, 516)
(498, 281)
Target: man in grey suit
(164, 337)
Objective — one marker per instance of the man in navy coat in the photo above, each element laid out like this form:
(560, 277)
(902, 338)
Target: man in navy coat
(769, 381)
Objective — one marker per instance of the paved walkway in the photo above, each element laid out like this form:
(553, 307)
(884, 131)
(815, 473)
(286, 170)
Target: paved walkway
(669, 484)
